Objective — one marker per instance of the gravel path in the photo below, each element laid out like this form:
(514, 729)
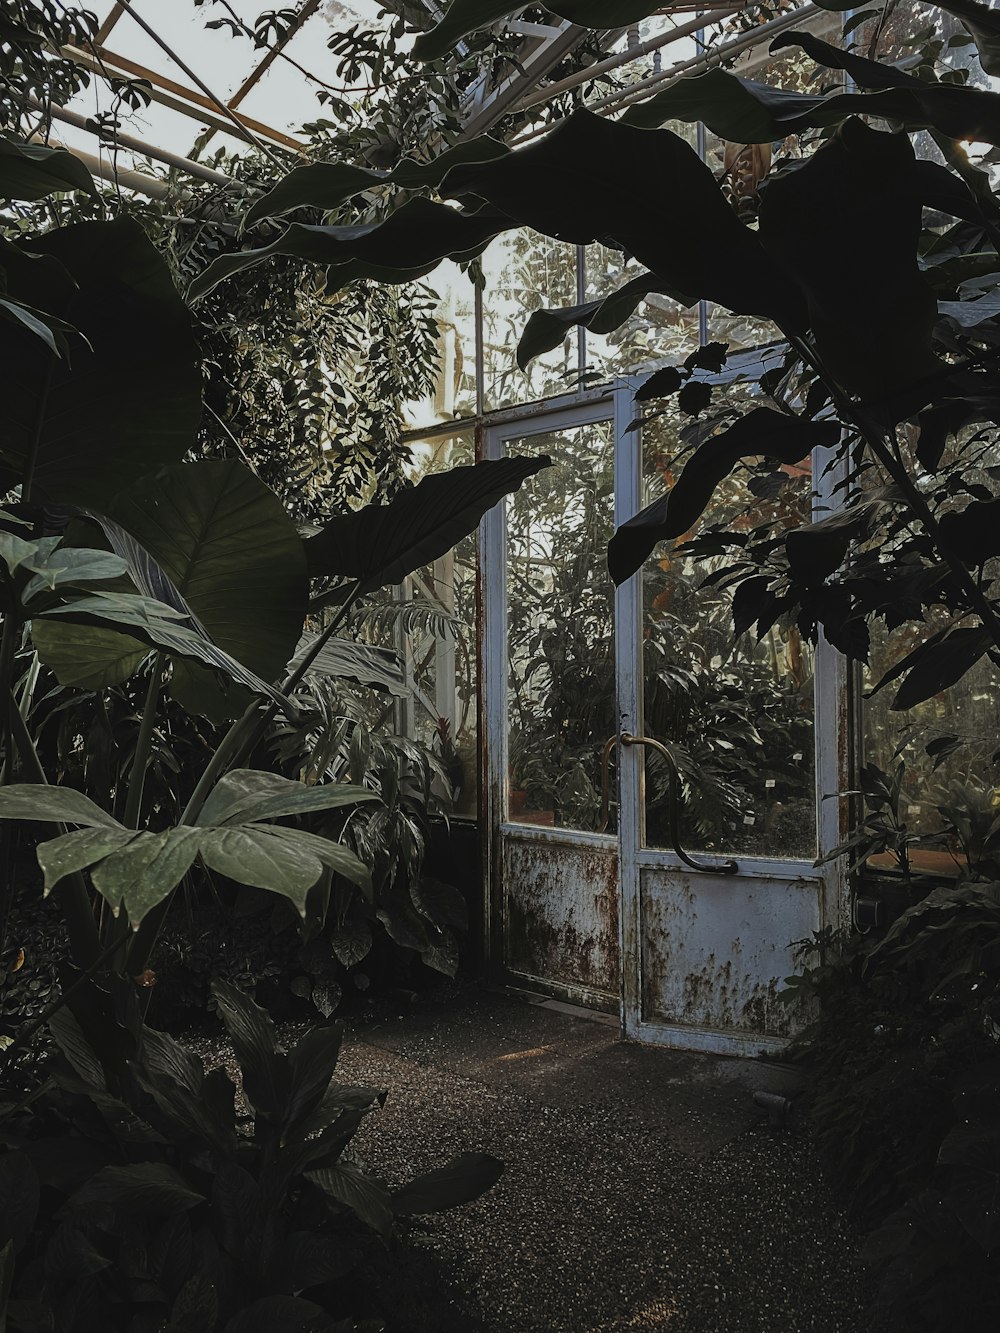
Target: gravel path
(642, 1190)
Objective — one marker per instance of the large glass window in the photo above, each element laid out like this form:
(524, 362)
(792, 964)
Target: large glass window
(560, 630)
(736, 715)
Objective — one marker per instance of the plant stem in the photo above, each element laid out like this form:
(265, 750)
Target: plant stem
(144, 743)
(234, 747)
(72, 893)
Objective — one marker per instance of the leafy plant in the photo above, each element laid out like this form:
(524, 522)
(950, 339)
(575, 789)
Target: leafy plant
(903, 1087)
(143, 1187)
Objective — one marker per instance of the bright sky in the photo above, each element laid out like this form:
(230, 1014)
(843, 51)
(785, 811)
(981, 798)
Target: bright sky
(283, 98)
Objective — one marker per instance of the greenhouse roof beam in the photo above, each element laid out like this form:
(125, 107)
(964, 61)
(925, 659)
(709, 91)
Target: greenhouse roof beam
(656, 43)
(550, 50)
(241, 129)
(104, 30)
(134, 145)
(306, 12)
(176, 96)
(699, 64)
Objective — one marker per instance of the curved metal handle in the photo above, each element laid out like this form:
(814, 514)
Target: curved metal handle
(609, 745)
(727, 867)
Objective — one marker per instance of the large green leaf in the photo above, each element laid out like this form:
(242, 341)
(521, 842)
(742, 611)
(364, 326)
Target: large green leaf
(52, 805)
(149, 1189)
(311, 1067)
(578, 184)
(381, 544)
(213, 540)
(958, 111)
(409, 243)
(359, 663)
(126, 401)
(87, 656)
(350, 1188)
(142, 873)
(253, 854)
(246, 795)
(79, 850)
(759, 433)
(860, 256)
(30, 171)
(465, 16)
(546, 329)
(745, 111)
(329, 184)
(936, 665)
(163, 627)
(71, 567)
(463, 1179)
(333, 855)
(266, 1073)
(983, 22)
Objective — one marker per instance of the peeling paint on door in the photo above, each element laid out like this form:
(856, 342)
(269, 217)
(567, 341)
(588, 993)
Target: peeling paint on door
(561, 914)
(716, 950)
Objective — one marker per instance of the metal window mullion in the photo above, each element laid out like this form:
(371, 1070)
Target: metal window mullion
(628, 652)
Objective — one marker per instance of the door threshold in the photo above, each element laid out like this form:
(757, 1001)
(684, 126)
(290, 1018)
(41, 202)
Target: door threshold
(561, 1006)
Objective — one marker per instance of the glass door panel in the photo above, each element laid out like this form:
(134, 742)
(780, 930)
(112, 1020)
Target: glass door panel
(738, 716)
(560, 630)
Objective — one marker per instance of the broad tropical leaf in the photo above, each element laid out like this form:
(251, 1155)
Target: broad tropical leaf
(760, 432)
(381, 544)
(408, 244)
(128, 400)
(30, 171)
(52, 805)
(254, 854)
(213, 541)
(867, 245)
(246, 795)
(546, 329)
(359, 663)
(744, 111)
(87, 656)
(148, 1189)
(79, 850)
(577, 183)
(957, 111)
(266, 1072)
(463, 1179)
(935, 665)
(148, 868)
(350, 1188)
(329, 184)
(163, 627)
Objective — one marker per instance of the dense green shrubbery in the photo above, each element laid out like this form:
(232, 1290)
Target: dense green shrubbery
(904, 1101)
(139, 1191)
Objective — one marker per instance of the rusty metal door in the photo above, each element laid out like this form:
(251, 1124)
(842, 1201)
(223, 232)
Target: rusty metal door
(730, 755)
(682, 921)
(549, 677)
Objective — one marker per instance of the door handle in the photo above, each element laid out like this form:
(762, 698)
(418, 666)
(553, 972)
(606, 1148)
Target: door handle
(726, 867)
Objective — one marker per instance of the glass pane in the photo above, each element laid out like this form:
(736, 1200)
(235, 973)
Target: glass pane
(450, 298)
(437, 635)
(560, 631)
(738, 717)
(525, 271)
(962, 728)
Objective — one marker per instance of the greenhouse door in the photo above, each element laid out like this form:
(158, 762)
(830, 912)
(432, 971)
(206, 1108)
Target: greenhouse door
(654, 792)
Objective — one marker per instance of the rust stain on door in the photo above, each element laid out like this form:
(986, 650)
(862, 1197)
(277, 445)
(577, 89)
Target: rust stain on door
(561, 913)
